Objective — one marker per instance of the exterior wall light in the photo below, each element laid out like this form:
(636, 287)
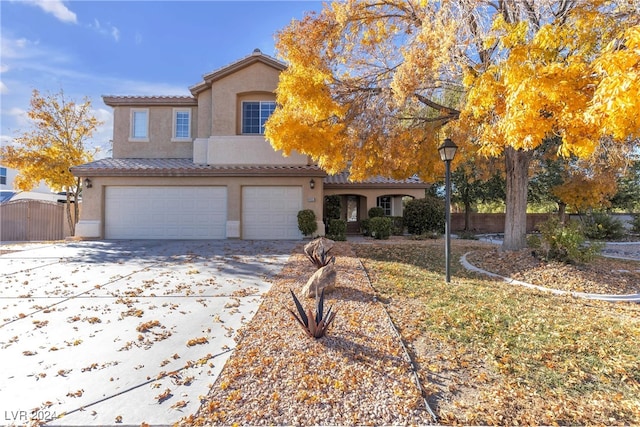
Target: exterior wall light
(87, 183)
(447, 152)
(312, 184)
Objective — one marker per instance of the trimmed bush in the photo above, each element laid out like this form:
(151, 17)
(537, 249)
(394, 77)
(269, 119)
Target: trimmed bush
(423, 216)
(332, 207)
(337, 230)
(600, 226)
(380, 227)
(376, 212)
(307, 222)
(397, 225)
(564, 243)
(365, 227)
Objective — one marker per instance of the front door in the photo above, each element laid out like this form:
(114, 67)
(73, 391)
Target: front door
(353, 214)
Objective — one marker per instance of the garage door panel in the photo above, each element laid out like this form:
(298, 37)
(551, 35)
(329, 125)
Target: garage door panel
(165, 212)
(271, 212)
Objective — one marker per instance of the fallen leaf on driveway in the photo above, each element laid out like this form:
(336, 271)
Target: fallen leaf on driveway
(196, 341)
(164, 396)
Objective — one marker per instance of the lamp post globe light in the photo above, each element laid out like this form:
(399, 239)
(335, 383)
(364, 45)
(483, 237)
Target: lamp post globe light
(447, 152)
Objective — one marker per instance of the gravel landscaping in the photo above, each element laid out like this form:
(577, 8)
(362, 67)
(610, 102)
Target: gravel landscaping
(360, 373)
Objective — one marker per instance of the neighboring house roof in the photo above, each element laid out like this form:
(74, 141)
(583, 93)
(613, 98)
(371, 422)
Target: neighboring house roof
(256, 56)
(182, 101)
(341, 180)
(185, 167)
(5, 195)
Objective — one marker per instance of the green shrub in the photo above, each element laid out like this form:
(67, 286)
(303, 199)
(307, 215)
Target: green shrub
(636, 223)
(337, 230)
(424, 216)
(467, 235)
(365, 227)
(307, 222)
(397, 225)
(332, 207)
(564, 243)
(380, 227)
(376, 212)
(600, 226)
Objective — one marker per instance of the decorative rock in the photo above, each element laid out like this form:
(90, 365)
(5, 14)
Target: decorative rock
(323, 278)
(318, 248)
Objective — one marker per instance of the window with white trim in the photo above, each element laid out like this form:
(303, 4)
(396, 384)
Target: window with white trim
(385, 203)
(139, 124)
(181, 124)
(255, 114)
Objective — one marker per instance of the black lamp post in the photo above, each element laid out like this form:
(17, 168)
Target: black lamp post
(447, 152)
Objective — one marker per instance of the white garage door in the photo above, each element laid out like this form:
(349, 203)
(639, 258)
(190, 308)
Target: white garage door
(271, 212)
(165, 212)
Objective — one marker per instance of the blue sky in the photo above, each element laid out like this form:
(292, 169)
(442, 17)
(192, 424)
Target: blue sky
(94, 48)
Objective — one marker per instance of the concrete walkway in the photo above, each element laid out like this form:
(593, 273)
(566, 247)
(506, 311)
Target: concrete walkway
(123, 332)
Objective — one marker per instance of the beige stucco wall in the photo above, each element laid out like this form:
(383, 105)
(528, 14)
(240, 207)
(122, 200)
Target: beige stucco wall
(243, 150)
(257, 82)
(93, 214)
(159, 144)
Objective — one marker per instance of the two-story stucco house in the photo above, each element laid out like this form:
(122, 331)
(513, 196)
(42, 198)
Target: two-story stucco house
(199, 167)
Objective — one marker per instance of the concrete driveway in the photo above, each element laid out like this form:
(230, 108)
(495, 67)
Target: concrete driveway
(123, 332)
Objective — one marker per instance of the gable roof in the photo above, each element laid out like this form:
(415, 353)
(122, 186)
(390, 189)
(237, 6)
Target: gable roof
(256, 57)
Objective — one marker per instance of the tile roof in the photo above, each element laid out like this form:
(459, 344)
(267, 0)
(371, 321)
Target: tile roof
(115, 100)
(185, 167)
(342, 180)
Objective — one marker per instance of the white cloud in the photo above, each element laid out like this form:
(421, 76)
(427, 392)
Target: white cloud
(57, 8)
(20, 117)
(3, 87)
(105, 30)
(17, 48)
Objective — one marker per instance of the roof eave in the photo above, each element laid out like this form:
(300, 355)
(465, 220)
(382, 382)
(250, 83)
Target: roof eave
(135, 101)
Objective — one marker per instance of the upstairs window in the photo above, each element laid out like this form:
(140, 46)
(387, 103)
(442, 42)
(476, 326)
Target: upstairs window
(181, 124)
(139, 124)
(254, 116)
(3, 176)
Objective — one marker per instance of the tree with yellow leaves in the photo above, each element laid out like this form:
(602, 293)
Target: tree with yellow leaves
(365, 78)
(56, 143)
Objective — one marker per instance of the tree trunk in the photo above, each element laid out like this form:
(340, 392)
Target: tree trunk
(517, 175)
(72, 218)
(467, 216)
(562, 209)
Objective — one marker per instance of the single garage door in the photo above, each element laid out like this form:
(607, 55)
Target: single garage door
(165, 212)
(271, 212)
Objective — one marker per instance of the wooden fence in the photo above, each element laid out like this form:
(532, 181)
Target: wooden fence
(32, 220)
(492, 223)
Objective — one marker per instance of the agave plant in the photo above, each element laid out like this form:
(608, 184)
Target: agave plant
(318, 252)
(314, 325)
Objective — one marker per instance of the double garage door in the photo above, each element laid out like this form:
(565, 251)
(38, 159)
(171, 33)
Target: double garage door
(199, 212)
